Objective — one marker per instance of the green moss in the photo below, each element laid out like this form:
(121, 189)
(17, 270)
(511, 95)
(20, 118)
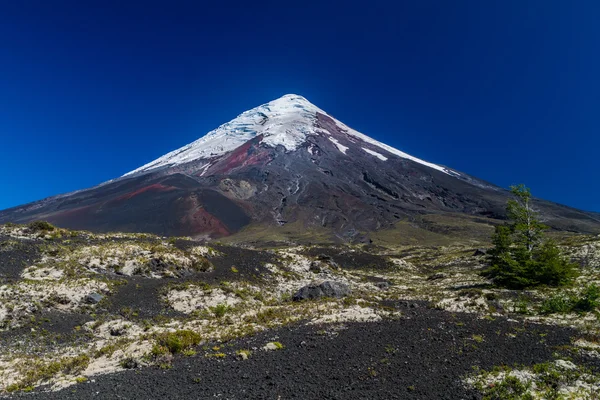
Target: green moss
(278, 345)
(216, 355)
(477, 338)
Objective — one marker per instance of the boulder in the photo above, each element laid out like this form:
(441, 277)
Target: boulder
(324, 289)
(94, 298)
(383, 285)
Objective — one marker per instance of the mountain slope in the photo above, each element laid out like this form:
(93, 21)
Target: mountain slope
(285, 163)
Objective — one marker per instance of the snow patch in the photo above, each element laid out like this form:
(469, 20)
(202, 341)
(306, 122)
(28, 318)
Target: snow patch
(392, 150)
(376, 154)
(340, 146)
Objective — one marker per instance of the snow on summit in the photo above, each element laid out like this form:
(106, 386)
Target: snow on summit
(286, 121)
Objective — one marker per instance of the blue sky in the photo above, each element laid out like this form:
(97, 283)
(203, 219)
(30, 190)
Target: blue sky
(508, 91)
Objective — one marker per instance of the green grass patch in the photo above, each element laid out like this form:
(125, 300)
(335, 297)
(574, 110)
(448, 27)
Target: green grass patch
(176, 342)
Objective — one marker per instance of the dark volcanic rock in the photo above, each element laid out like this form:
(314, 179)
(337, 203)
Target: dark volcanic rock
(437, 276)
(480, 252)
(382, 285)
(94, 298)
(325, 289)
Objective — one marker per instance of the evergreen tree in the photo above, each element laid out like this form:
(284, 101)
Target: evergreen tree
(521, 256)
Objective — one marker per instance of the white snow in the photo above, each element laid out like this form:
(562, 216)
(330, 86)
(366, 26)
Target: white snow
(392, 150)
(340, 146)
(376, 154)
(286, 121)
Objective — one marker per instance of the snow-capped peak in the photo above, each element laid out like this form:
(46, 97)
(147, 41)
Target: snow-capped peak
(286, 121)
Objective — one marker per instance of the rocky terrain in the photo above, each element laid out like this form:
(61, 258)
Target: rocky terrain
(121, 315)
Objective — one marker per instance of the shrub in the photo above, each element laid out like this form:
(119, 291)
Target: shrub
(176, 342)
(40, 226)
(589, 299)
(509, 388)
(129, 363)
(201, 264)
(556, 304)
(220, 310)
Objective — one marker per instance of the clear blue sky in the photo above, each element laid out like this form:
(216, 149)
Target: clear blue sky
(508, 91)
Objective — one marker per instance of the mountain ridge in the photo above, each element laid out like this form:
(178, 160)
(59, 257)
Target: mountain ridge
(285, 162)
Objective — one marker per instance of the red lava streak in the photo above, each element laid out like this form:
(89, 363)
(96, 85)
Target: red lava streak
(156, 187)
(247, 154)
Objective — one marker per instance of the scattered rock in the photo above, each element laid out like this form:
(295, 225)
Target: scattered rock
(324, 257)
(316, 267)
(407, 304)
(94, 298)
(382, 285)
(437, 276)
(271, 346)
(118, 330)
(130, 363)
(324, 289)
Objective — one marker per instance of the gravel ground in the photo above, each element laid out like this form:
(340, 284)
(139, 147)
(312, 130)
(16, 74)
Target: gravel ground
(350, 260)
(15, 256)
(423, 355)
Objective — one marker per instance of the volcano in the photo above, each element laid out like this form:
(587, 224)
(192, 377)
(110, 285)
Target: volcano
(288, 166)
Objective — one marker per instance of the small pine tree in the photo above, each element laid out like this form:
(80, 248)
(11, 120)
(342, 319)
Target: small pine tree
(521, 256)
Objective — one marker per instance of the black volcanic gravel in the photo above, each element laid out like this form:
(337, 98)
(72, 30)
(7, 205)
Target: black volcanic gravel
(142, 296)
(15, 256)
(423, 356)
(350, 260)
(248, 263)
